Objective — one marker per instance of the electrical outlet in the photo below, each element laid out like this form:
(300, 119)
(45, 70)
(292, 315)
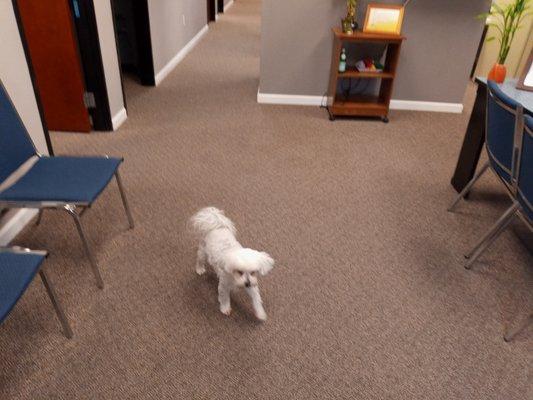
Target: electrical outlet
(183, 18)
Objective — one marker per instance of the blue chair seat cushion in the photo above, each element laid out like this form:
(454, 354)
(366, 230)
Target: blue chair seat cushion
(16, 273)
(63, 179)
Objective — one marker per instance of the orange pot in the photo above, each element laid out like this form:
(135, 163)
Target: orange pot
(497, 73)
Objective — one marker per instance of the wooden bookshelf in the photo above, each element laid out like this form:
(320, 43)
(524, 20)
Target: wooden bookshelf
(363, 105)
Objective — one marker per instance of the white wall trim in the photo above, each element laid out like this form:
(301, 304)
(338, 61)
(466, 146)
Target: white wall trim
(455, 108)
(290, 99)
(16, 222)
(299, 100)
(119, 118)
(227, 6)
(162, 74)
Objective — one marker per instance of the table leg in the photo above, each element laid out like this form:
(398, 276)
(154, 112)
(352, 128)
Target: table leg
(473, 142)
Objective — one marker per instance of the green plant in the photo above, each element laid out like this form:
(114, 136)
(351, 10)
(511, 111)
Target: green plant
(507, 21)
(351, 3)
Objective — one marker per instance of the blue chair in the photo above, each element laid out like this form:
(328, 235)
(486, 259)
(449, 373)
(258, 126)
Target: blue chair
(31, 180)
(501, 130)
(522, 194)
(18, 267)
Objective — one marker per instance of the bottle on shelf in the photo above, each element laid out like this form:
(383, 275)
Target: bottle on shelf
(342, 63)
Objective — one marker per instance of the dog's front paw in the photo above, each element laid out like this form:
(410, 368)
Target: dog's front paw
(261, 315)
(200, 269)
(226, 310)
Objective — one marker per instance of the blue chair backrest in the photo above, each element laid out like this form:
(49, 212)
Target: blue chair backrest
(501, 125)
(15, 144)
(525, 171)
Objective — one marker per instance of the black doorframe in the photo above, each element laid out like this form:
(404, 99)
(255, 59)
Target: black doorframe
(84, 17)
(32, 77)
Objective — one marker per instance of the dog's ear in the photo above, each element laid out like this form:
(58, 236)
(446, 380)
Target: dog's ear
(266, 263)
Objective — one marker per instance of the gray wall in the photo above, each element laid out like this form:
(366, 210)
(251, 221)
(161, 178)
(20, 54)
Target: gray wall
(169, 34)
(442, 39)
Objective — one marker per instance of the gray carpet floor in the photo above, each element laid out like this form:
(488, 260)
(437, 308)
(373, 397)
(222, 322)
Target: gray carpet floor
(369, 298)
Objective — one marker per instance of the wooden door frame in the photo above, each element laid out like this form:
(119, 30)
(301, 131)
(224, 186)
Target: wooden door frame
(32, 77)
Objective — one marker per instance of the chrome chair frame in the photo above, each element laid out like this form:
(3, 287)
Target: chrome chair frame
(67, 331)
(510, 214)
(514, 210)
(70, 207)
(75, 210)
(487, 165)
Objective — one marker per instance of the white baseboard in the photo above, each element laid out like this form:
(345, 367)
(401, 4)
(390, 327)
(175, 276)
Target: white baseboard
(455, 108)
(119, 118)
(227, 6)
(290, 99)
(299, 100)
(16, 222)
(180, 56)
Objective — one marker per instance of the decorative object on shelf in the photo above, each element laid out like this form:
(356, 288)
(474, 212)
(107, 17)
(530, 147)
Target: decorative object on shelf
(526, 79)
(506, 20)
(342, 63)
(384, 18)
(349, 24)
(369, 65)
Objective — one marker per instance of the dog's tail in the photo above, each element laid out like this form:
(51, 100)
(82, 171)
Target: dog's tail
(209, 219)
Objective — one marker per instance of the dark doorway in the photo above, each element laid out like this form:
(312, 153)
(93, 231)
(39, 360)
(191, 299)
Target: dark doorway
(211, 10)
(220, 6)
(134, 44)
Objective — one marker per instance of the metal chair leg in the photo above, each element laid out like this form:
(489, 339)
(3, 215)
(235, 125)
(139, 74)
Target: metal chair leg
(512, 333)
(491, 235)
(124, 200)
(57, 306)
(467, 188)
(72, 211)
(39, 217)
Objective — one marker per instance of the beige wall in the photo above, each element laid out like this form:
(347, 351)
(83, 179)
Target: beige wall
(106, 34)
(521, 45)
(15, 75)
(436, 59)
(172, 25)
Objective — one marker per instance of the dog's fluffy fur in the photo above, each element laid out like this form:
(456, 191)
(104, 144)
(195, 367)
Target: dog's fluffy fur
(235, 266)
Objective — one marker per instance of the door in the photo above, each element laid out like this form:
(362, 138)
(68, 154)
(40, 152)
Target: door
(53, 50)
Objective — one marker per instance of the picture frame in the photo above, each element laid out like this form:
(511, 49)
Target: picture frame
(384, 18)
(525, 81)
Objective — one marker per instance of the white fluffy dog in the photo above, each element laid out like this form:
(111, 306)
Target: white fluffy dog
(235, 266)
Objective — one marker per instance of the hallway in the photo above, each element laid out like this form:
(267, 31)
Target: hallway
(368, 299)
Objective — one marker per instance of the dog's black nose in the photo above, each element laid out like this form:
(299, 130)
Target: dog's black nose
(247, 284)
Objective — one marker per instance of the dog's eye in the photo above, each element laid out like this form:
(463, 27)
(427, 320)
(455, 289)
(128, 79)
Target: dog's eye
(240, 273)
